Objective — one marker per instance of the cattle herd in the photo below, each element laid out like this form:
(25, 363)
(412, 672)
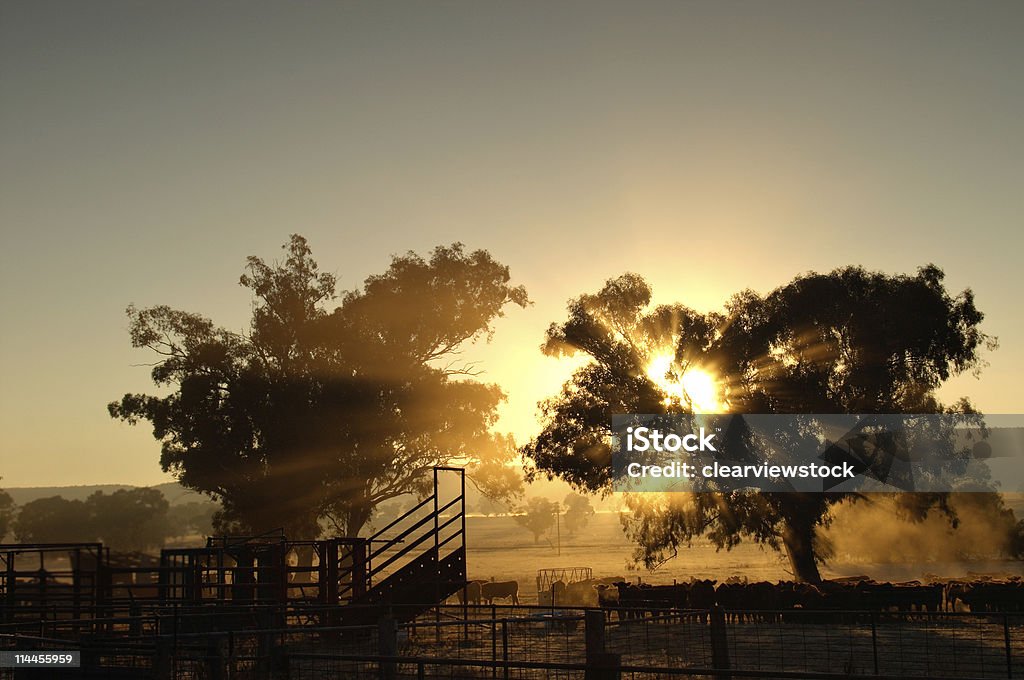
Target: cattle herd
(486, 592)
(766, 601)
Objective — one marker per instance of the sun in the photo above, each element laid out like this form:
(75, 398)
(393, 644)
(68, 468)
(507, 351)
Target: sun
(696, 386)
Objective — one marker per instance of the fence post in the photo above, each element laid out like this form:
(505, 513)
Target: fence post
(262, 656)
(601, 665)
(594, 632)
(164, 651)
(719, 642)
(1006, 639)
(504, 646)
(135, 620)
(231, 655)
(214, 659)
(280, 664)
(494, 642)
(387, 645)
(874, 639)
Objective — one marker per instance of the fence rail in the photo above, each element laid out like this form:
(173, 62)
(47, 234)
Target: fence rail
(499, 641)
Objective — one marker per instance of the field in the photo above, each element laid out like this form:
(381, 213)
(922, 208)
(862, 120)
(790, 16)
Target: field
(501, 549)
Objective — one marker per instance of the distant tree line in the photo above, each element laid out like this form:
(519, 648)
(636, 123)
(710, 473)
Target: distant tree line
(7, 509)
(539, 515)
(139, 519)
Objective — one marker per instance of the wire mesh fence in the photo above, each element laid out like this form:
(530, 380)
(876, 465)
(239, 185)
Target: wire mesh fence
(539, 642)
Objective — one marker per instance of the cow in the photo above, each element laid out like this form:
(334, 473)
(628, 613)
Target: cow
(636, 601)
(554, 595)
(630, 600)
(608, 599)
(582, 593)
(470, 593)
(492, 590)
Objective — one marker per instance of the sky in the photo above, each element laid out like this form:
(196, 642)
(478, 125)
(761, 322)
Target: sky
(147, 148)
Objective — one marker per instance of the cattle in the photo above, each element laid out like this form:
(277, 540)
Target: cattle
(581, 593)
(554, 595)
(701, 594)
(608, 600)
(640, 600)
(495, 590)
(630, 599)
(470, 593)
(987, 596)
(848, 599)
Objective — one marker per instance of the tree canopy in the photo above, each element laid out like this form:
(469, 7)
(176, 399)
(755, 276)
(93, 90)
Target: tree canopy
(537, 516)
(320, 413)
(7, 512)
(129, 519)
(850, 341)
(578, 511)
(125, 520)
(53, 520)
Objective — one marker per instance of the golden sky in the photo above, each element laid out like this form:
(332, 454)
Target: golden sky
(709, 146)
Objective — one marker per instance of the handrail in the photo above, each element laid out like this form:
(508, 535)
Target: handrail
(375, 553)
(427, 518)
(409, 546)
(450, 538)
(399, 554)
(404, 515)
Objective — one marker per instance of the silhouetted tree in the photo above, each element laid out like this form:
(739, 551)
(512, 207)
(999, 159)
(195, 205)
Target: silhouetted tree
(194, 517)
(129, 519)
(578, 511)
(850, 341)
(537, 516)
(325, 413)
(53, 520)
(125, 520)
(7, 511)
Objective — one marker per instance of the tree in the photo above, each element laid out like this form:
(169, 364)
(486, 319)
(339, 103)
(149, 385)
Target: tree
(129, 519)
(194, 517)
(537, 516)
(53, 520)
(578, 511)
(7, 511)
(850, 341)
(323, 414)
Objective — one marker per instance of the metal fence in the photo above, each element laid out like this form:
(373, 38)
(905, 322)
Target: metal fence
(537, 642)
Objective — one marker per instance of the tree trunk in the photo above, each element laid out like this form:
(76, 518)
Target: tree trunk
(799, 543)
(355, 519)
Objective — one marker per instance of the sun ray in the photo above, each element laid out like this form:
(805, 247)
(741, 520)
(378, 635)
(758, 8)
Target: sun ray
(696, 387)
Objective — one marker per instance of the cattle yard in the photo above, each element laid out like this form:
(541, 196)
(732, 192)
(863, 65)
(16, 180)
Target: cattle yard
(702, 629)
(506, 641)
(399, 605)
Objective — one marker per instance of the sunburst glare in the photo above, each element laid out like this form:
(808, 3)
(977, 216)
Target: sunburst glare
(696, 386)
